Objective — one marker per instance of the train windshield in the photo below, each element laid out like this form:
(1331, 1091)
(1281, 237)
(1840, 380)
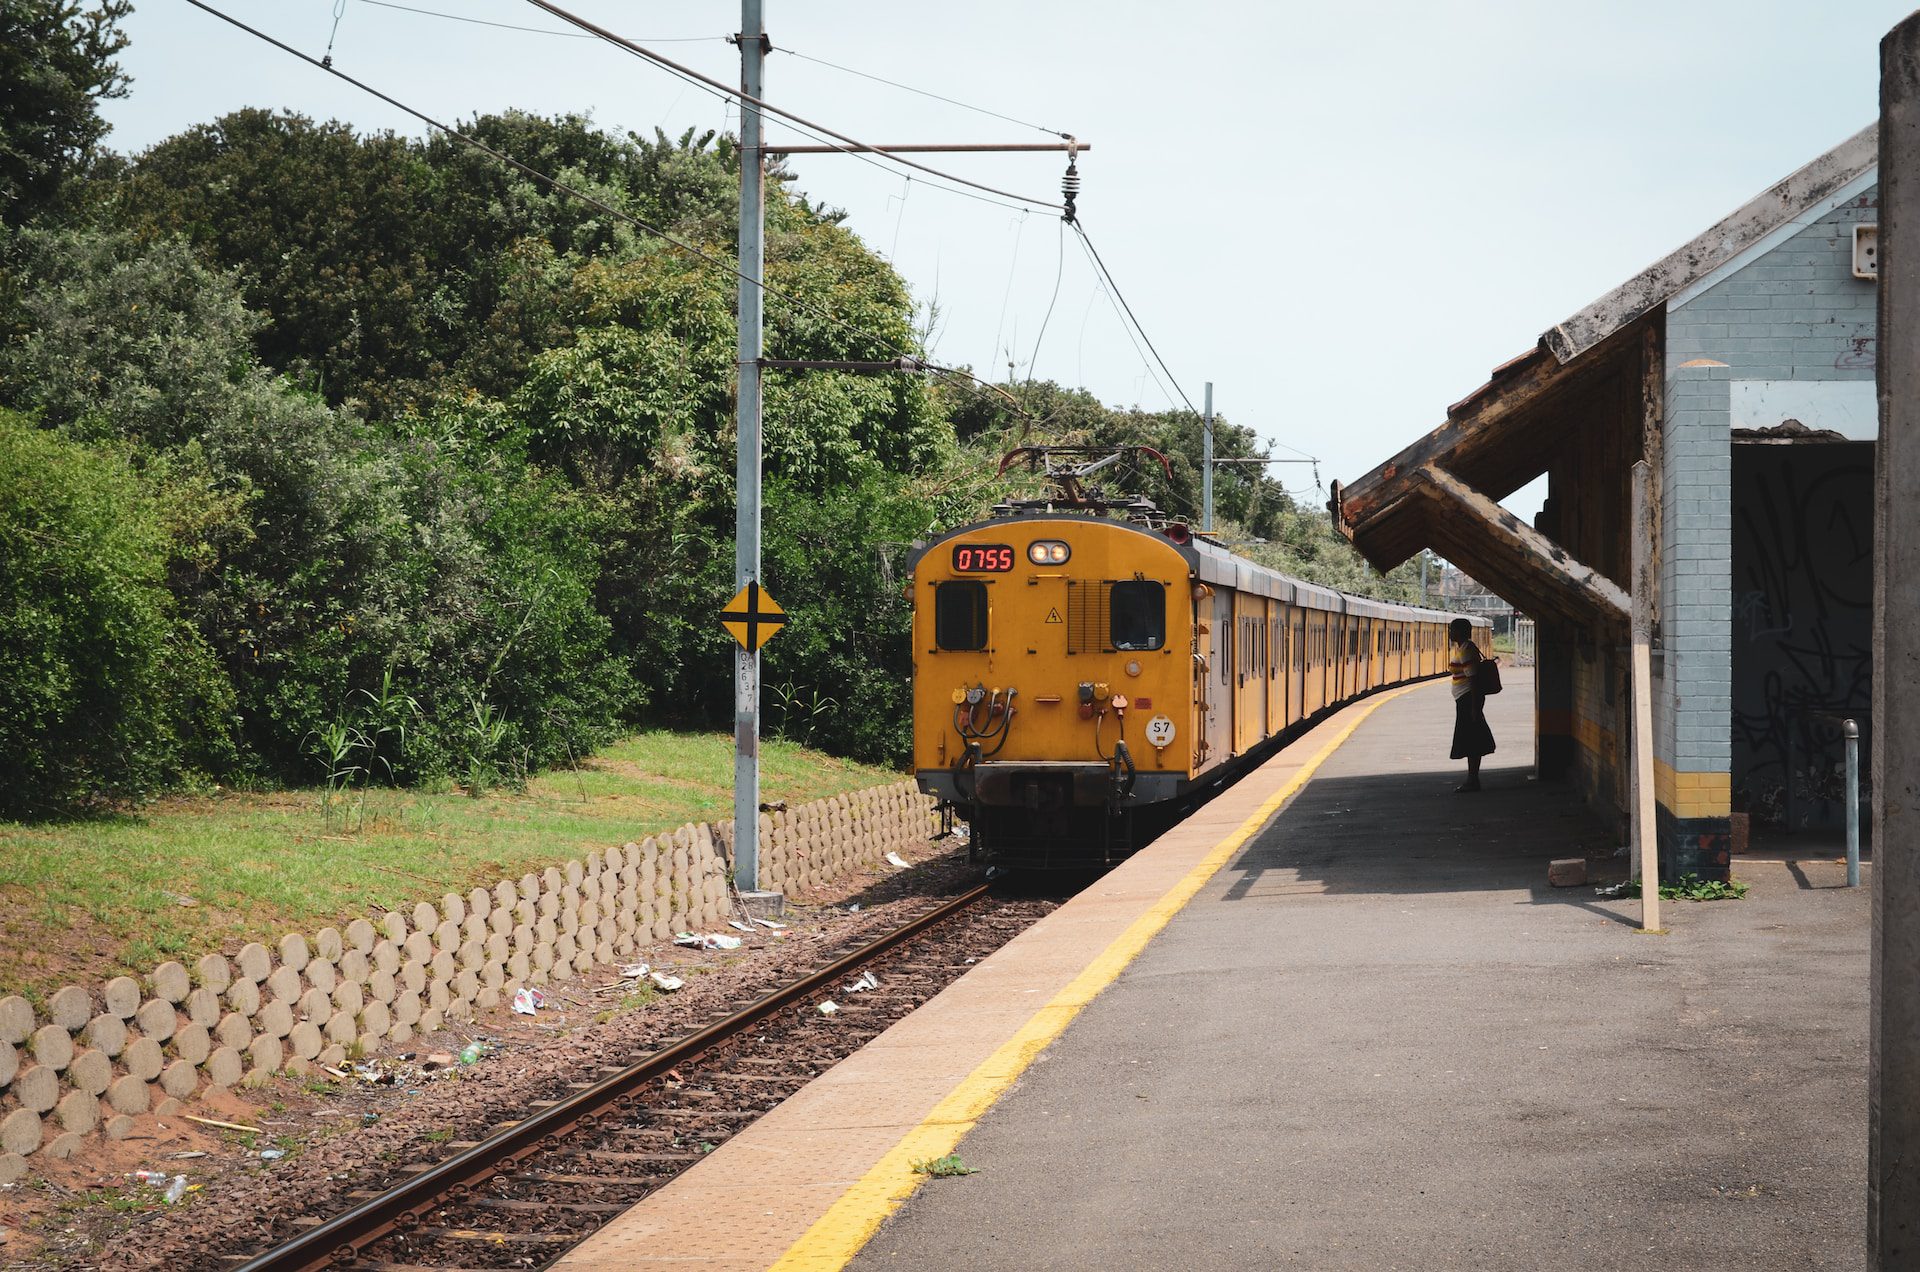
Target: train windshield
(1138, 615)
(960, 615)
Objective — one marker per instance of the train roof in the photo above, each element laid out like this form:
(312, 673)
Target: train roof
(1214, 564)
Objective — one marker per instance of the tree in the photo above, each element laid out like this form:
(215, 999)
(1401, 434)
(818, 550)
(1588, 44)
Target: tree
(56, 60)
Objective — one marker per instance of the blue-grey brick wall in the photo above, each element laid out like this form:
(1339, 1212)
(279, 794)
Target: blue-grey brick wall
(1691, 719)
(1796, 313)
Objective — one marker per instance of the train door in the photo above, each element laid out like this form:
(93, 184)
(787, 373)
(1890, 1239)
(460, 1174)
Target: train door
(1296, 662)
(1226, 654)
(1348, 656)
(1312, 624)
(1276, 667)
(1249, 688)
(1204, 653)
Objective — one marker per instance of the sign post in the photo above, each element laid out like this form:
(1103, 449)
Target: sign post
(746, 542)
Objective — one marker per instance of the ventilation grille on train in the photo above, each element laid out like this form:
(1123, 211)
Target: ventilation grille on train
(1089, 617)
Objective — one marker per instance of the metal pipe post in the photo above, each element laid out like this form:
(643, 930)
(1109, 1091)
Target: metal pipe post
(746, 542)
(1206, 464)
(1893, 1081)
(1851, 731)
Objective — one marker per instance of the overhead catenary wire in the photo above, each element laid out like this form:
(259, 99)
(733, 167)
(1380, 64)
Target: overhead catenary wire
(561, 187)
(1094, 254)
(761, 104)
(511, 26)
(951, 101)
(1125, 328)
(1059, 268)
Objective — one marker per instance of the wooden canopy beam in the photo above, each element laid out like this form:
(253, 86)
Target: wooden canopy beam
(1522, 547)
(1359, 502)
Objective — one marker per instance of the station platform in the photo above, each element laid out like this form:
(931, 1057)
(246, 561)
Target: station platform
(1338, 1020)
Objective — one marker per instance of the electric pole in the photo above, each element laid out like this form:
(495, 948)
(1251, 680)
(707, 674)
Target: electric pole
(1206, 463)
(746, 542)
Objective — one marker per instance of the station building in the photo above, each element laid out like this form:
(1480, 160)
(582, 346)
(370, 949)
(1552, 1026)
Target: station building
(1740, 367)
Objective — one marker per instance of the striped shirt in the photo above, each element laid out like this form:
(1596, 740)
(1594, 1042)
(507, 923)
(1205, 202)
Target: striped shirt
(1460, 660)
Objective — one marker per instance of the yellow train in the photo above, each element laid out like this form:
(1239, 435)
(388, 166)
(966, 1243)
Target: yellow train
(1074, 673)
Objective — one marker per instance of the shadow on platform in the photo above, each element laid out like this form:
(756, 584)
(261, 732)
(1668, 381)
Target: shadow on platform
(1408, 832)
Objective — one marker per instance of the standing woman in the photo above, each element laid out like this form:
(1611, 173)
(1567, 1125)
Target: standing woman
(1471, 736)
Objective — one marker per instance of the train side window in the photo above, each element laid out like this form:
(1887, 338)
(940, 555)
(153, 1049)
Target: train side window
(1139, 614)
(960, 615)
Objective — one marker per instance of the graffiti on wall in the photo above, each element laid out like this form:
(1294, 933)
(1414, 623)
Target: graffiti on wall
(1802, 624)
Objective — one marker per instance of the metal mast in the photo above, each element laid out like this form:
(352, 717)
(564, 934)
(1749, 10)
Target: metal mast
(746, 544)
(1206, 463)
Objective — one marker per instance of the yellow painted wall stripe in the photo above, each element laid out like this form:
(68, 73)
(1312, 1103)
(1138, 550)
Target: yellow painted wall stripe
(850, 1222)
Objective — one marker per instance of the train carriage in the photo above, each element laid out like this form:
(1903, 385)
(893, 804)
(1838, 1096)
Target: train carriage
(1074, 672)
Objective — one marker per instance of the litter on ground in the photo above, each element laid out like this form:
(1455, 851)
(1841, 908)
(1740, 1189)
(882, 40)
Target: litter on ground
(527, 1000)
(708, 941)
(865, 983)
(666, 982)
(898, 862)
(828, 1007)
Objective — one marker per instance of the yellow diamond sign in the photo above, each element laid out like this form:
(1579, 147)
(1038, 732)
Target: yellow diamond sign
(752, 617)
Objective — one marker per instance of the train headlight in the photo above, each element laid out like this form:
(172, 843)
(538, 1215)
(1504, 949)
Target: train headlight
(1133, 666)
(1048, 552)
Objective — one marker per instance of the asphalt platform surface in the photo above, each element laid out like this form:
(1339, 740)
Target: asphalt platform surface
(1378, 1040)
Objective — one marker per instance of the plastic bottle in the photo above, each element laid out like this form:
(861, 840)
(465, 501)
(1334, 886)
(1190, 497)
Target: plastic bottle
(177, 1189)
(154, 1177)
(472, 1052)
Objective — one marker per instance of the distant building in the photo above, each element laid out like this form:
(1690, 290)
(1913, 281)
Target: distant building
(1741, 367)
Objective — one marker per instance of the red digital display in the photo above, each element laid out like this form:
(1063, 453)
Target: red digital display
(982, 558)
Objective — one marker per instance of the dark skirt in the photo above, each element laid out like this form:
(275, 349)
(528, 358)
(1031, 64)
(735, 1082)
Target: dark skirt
(1471, 736)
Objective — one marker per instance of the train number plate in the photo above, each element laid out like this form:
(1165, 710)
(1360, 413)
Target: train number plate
(982, 558)
(1160, 730)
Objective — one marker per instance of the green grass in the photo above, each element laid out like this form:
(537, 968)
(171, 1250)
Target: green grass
(92, 898)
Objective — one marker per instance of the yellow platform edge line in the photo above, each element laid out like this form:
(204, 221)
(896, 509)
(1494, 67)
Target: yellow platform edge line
(839, 1234)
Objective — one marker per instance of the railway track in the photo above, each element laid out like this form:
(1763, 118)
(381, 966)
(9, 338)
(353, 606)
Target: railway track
(534, 1187)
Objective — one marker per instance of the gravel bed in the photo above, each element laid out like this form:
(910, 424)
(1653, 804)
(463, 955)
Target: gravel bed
(341, 1137)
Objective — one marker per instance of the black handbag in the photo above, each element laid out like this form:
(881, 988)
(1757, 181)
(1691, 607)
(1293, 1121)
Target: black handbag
(1486, 677)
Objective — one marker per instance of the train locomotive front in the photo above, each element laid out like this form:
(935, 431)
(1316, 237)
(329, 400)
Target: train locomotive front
(1053, 682)
(1080, 678)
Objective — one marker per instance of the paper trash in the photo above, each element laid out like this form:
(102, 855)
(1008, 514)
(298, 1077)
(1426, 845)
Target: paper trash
(528, 1000)
(744, 927)
(666, 982)
(634, 971)
(898, 862)
(770, 925)
(829, 1007)
(865, 983)
(708, 941)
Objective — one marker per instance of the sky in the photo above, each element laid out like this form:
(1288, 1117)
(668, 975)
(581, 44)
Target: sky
(1342, 216)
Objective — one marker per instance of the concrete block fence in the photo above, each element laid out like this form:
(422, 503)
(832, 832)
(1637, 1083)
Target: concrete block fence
(90, 1060)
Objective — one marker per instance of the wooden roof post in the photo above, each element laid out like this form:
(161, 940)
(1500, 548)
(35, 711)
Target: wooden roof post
(1646, 840)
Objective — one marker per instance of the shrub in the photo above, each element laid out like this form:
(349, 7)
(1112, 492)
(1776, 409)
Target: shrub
(103, 689)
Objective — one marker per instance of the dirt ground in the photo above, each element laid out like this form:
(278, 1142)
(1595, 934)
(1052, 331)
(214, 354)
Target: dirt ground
(304, 1138)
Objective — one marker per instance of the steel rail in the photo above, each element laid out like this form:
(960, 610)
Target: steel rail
(340, 1240)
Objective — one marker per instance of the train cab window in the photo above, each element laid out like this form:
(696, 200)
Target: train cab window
(960, 615)
(1138, 612)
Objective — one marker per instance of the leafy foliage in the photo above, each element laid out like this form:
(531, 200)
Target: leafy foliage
(104, 691)
(438, 465)
(56, 60)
